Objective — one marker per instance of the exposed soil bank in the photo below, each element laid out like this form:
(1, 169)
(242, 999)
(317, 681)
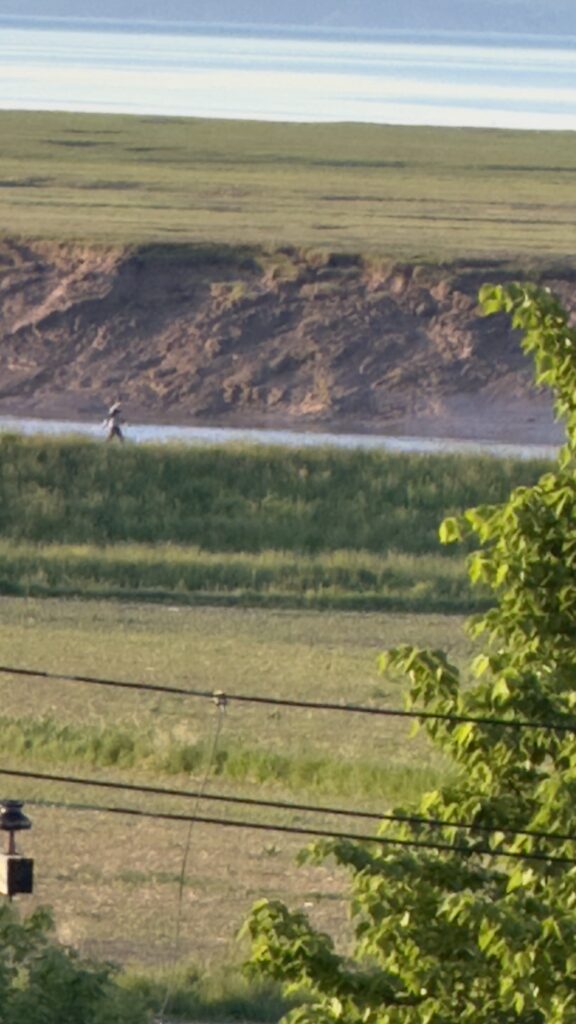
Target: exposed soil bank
(277, 340)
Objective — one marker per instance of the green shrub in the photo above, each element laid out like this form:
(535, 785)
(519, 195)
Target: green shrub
(43, 982)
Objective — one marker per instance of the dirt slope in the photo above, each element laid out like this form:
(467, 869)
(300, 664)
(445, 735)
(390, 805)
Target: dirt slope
(286, 339)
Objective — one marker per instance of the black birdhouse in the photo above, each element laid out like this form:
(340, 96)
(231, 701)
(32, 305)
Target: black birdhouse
(16, 872)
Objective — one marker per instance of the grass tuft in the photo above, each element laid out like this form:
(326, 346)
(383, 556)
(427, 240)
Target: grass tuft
(187, 993)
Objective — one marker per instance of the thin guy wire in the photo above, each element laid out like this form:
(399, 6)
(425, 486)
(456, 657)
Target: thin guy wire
(290, 703)
(299, 830)
(221, 708)
(406, 819)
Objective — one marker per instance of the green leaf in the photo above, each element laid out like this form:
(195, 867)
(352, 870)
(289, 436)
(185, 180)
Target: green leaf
(450, 531)
(462, 733)
(501, 690)
(480, 665)
(486, 936)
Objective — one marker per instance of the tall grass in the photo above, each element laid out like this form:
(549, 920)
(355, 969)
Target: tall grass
(240, 498)
(240, 525)
(223, 995)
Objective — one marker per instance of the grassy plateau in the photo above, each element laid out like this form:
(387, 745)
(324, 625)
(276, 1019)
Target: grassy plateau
(412, 192)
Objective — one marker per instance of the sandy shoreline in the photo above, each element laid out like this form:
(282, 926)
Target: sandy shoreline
(527, 421)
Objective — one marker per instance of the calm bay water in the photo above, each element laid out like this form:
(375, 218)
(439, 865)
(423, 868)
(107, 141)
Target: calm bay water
(225, 72)
(161, 434)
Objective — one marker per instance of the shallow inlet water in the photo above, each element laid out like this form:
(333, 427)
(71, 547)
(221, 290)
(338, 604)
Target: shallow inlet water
(162, 434)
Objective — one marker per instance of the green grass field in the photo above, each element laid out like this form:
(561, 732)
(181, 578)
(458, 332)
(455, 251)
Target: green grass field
(240, 525)
(214, 526)
(112, 881)
(420, 193)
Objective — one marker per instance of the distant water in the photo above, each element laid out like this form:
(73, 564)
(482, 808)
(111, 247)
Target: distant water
(288, 75)
(162, 434)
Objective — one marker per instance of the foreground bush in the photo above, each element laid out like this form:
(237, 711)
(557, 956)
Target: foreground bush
(43, 982)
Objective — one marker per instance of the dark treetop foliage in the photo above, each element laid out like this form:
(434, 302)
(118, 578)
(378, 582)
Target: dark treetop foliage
(456, 936)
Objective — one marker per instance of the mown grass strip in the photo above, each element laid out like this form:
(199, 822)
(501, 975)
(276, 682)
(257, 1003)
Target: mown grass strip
(179, 575)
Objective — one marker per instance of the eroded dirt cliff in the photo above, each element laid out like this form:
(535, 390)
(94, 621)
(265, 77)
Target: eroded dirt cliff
(282, 339)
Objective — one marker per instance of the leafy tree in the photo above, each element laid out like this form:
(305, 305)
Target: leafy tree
(467, 934)
(43, 982)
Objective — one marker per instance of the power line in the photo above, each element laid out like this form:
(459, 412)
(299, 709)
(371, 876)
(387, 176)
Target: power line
(510, 723)
(300, 830)
(195, 794)
(408, 819)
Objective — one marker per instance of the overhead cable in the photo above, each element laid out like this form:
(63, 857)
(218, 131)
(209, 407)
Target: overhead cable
(219, 695)
(466, 851)
(200, 794)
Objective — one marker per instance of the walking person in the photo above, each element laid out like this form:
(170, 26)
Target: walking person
(113, 422)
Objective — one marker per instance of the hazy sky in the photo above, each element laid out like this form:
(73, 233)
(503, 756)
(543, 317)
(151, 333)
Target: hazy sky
(279, 76)
(472, 15)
